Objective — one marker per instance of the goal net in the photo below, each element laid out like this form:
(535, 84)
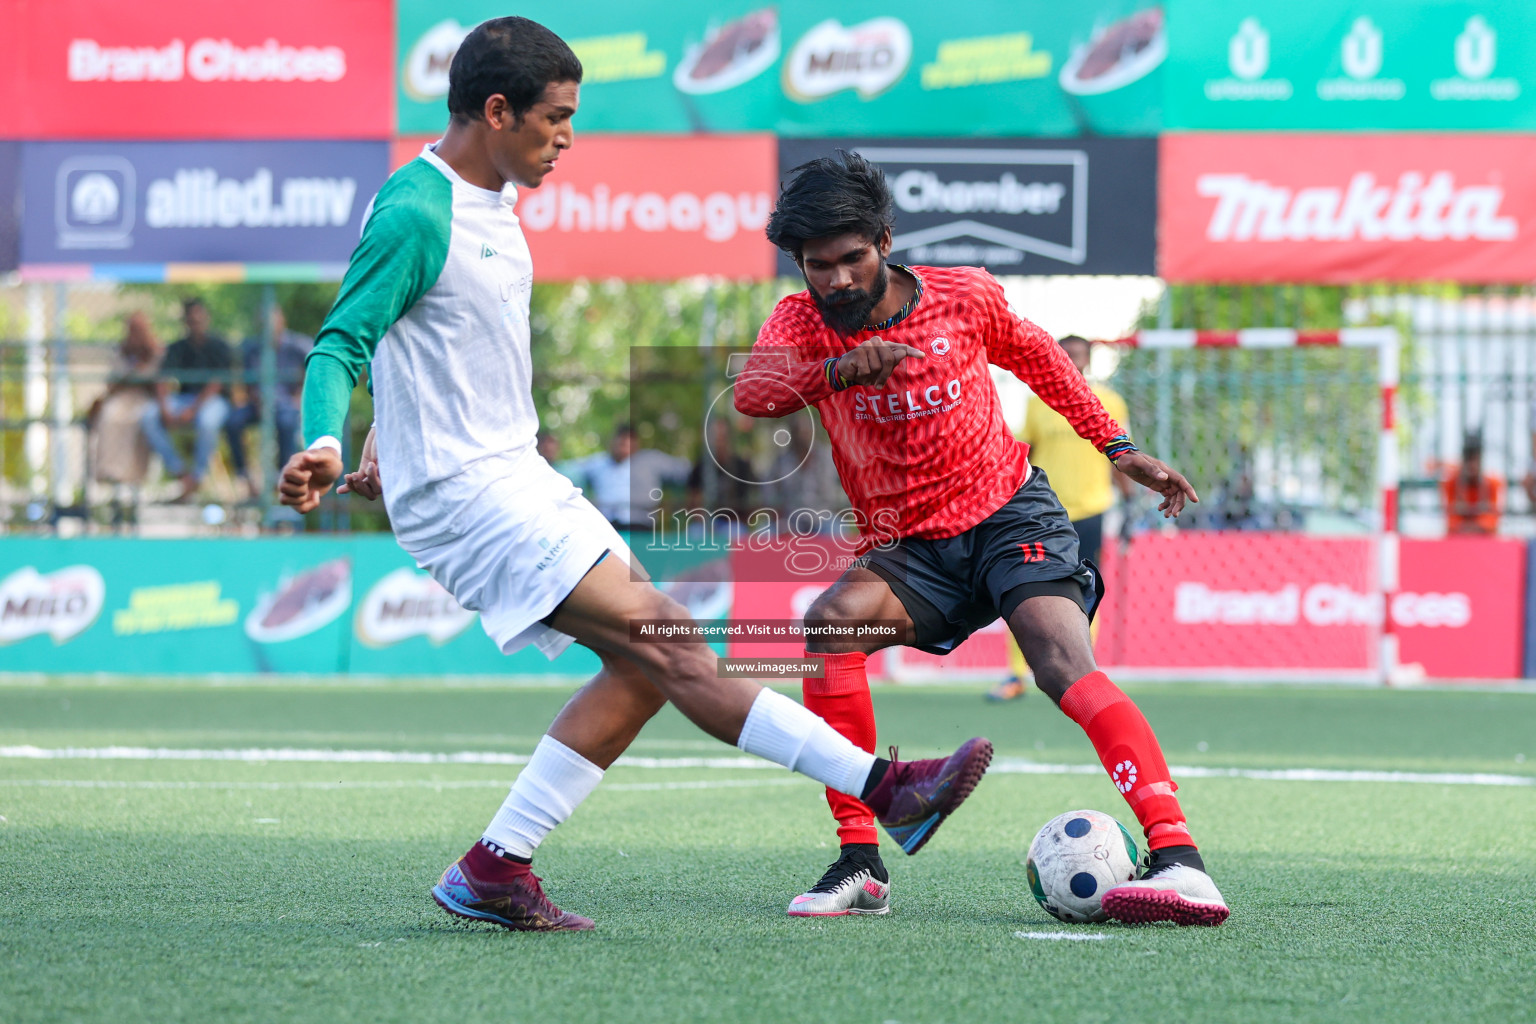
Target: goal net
(1285, 567)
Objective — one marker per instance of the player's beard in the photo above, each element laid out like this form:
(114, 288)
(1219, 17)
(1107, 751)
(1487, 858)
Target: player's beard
(847, 311)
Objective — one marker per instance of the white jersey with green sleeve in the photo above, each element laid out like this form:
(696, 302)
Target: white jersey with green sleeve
(435, 302)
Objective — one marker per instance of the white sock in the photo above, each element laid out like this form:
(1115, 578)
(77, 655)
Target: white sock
(789, 734)
(553, 782)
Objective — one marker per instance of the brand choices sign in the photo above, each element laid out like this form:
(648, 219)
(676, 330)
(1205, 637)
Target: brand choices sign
(186, 70)
(1365, 65)
(214, 202)
(1267, 602)
(1339, 208)
(1084, 207)
(654, 209)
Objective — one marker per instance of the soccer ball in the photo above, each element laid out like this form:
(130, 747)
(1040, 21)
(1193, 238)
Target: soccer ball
(1074, 859)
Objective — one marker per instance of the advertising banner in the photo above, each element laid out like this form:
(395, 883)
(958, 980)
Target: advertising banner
(989, 68)
(1275, 602)
(141, 203)
(10, 204)
(687, 66)
(1343, 208)
(1088, 206)
(1366, 64)
(340, 604)
(654, 209)
(986, 67)
(1460, 612)
(182, 69)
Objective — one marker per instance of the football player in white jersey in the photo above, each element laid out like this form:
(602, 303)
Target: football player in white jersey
(435, 304)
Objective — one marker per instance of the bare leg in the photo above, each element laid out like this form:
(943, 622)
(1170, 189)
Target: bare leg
(858, 596)
(598, 614)
(605, 716)
(1053, 634)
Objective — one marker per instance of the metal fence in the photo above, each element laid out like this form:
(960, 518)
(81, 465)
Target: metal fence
(1278, 439)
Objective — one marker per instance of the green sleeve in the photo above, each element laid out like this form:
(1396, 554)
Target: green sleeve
(401, 254)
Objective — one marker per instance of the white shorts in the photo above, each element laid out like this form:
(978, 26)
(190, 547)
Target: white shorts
(527, 541)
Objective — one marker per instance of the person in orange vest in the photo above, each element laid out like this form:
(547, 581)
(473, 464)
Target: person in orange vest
(1472, 498)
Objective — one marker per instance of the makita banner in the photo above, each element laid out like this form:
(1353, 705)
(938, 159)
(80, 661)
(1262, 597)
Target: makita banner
(182, 69)
(1087, 206)
(211, 202)
(1341, 208)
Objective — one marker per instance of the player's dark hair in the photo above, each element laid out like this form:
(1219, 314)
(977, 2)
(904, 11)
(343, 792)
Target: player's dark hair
(515, 57)
(831, 196)
(1062, 341)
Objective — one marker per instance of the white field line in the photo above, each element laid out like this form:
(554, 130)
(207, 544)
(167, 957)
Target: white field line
(496, 784)
(1060, 936)
(1002, 766)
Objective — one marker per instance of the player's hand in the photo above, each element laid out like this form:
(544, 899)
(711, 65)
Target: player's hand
(365, 481)
(1157, 475)
(306, 478)
(874, 361)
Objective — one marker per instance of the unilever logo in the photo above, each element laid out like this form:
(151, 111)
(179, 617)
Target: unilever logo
(1475, 54)
(1476, 49)
(1248, 52)
(1361, 51)
(1360, 57)
(1248, 61)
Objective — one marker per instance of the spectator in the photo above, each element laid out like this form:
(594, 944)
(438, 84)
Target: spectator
(190, 392)
(121, 451)
(1082, 478)
(548, 446)
(723, 479)
(802, 475)
(289, 350)
(1472, 498)
(625, 483)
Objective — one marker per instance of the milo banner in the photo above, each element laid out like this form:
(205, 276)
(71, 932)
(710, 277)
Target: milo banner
(988, 67)
(344, 604)
(1081, 206)
(1364, 64)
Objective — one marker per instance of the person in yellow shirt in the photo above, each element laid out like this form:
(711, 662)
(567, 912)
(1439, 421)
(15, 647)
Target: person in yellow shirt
(1082, 478)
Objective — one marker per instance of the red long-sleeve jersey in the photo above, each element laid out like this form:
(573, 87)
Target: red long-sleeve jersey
(929, 454)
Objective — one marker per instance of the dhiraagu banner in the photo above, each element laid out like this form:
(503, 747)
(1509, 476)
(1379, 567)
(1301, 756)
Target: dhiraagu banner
(1380, 64)
(985, 67)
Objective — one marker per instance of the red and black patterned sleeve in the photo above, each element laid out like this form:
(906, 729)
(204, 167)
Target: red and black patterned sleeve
(1031, 354)
(786, 369)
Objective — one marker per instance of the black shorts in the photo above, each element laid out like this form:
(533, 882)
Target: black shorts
(956, 585)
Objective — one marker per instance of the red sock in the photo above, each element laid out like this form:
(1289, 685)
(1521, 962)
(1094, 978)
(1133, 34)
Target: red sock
(1131, 754)
(842, 697)
(488, 867)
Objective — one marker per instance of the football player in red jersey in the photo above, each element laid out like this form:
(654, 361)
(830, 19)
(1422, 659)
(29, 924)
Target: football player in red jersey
(959, 529)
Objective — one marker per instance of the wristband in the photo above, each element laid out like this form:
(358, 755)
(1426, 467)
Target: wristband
(835, 380)
(326, 442)
(1117, 446)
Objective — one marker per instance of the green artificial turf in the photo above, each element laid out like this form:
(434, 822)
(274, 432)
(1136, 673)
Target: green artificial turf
(166, 890)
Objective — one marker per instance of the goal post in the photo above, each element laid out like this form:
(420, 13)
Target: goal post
(1241, 595)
